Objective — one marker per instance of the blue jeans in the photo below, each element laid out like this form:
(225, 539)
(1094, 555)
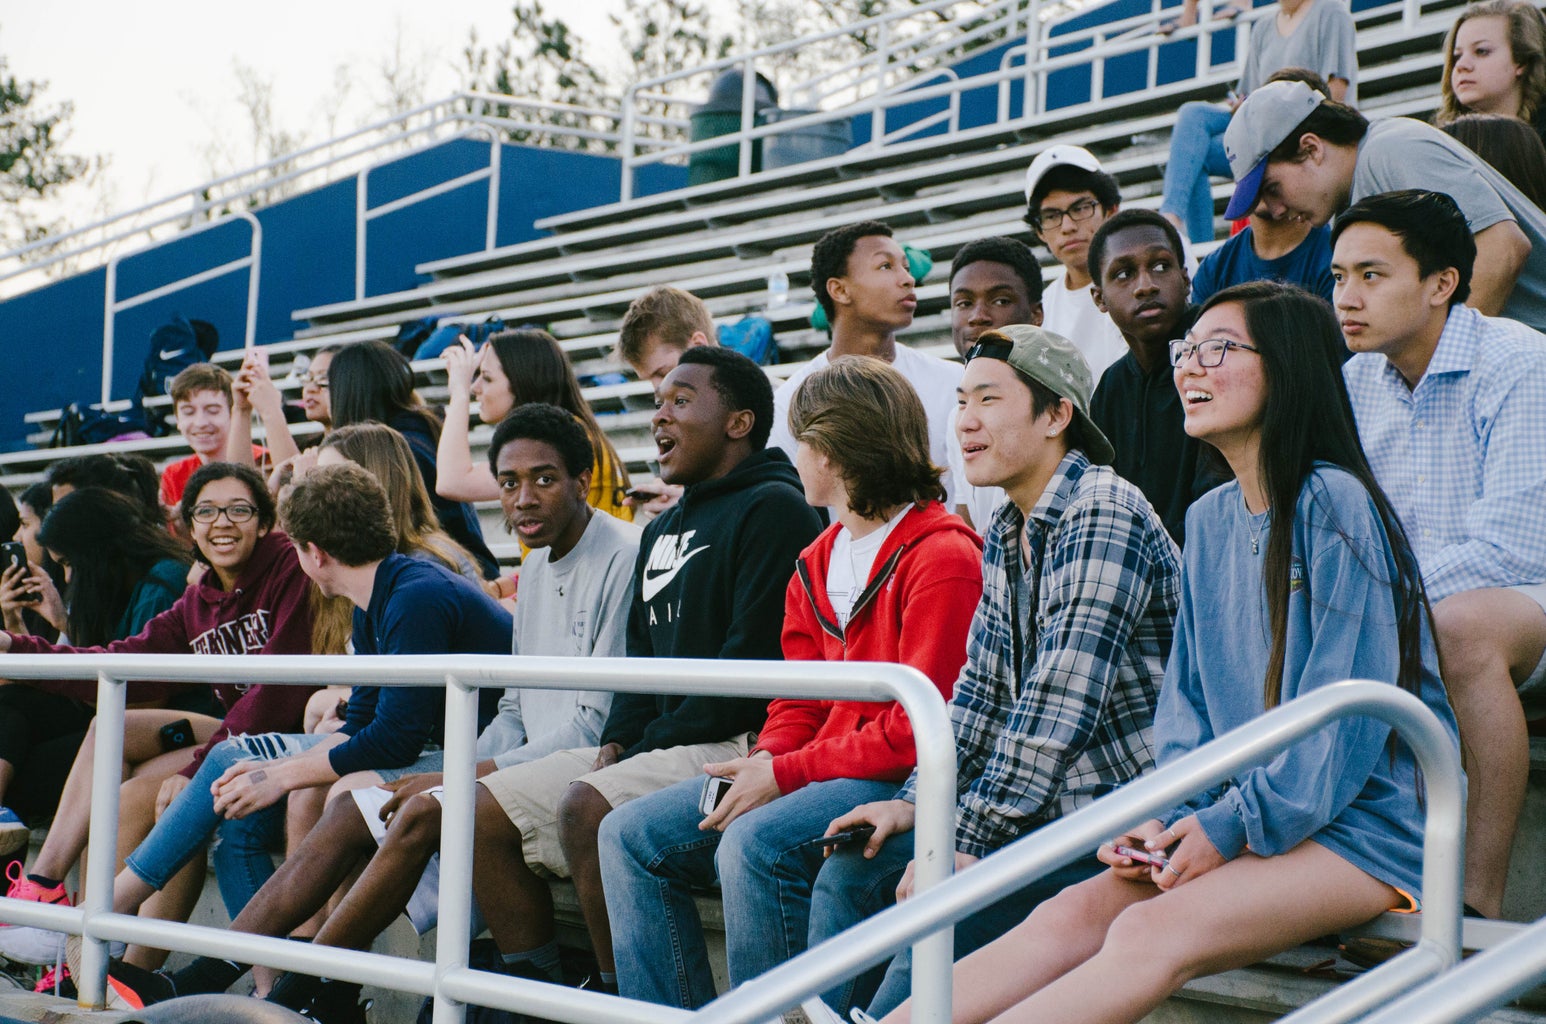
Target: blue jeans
(189, 822)
(653, 856)
(853, 888)
(243, 855)
(1196, 151)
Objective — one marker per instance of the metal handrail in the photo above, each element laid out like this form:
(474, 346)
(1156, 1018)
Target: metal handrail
(364, 213)
(1075, 835)
(1484, 982)
(112, 305)
(459, 109)
(449, 980)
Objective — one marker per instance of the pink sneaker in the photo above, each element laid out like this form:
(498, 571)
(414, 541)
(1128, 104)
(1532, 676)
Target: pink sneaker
(32, 945)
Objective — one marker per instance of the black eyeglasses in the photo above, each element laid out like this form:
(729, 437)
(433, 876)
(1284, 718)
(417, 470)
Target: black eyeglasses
(1210, 351)
(1049, 217)
(238, 513)
(312, 380)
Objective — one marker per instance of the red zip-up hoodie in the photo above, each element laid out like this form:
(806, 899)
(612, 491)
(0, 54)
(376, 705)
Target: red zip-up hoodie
(267, 612)
(916, 609)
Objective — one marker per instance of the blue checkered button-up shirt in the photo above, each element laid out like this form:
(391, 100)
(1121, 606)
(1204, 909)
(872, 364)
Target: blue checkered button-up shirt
(1462, 456)
(1055, 705)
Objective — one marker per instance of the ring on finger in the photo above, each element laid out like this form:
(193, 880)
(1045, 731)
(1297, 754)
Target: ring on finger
(1172, 869)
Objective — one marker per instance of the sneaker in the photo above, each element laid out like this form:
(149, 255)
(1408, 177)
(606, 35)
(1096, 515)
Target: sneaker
(14, 833)
(337, 1003)
(32, 945)
(54, 982)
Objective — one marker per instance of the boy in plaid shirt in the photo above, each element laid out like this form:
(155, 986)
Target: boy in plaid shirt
(1055, 705)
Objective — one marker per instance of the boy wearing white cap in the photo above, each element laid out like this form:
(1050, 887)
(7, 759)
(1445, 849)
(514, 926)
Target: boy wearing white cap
(1295, 153)
(1069, 196)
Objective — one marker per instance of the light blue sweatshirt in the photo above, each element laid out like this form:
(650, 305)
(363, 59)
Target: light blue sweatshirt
(1341, 786)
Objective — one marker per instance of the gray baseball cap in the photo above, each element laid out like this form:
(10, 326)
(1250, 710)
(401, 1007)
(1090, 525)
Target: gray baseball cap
(1052, 361)
(1259, 126)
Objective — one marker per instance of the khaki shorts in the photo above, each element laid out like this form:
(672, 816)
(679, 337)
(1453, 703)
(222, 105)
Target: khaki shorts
(530, 793)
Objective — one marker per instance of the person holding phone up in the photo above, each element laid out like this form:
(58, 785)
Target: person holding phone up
(1303, 561)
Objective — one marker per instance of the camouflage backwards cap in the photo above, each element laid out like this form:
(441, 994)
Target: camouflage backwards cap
(1051, 361)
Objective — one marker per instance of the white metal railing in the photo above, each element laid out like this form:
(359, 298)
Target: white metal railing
(448, 979)
(364, 213)
(113, 305)
(885, 79)
(312, 166)
(1484, 982)
(1060, 842)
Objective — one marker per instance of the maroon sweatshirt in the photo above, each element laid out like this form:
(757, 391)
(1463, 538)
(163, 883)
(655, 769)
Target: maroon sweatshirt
(267, 612)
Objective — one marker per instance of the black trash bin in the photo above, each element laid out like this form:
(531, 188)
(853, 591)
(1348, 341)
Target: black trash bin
(720, 114)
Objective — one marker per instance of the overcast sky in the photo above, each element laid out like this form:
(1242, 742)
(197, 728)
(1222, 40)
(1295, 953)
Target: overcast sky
(153, 84)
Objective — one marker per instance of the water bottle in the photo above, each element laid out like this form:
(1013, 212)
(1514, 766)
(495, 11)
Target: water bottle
(778, 289)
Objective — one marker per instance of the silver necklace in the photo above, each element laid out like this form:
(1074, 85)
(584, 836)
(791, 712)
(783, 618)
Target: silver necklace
(1256, 534)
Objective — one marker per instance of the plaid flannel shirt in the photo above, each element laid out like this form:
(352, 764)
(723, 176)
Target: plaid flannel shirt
(1055, 705)
(1462, 456)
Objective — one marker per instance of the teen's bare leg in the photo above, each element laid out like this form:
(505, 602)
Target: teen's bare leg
(381, 892)
(141, 742)
(516, 903)
(1489, 642)
(1235, 915)
(579, 818)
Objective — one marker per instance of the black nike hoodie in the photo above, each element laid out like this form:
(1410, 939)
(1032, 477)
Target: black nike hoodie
(709, 583)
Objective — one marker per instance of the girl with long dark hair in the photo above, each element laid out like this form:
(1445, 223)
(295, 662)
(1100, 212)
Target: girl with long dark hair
(1296, 575)
(372, 381)
(512, 369)
(120, 572)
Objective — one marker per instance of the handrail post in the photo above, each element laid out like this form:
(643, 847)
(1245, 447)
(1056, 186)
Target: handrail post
(1029, 100)
(453, 930)
(748, 118)
(934, 862)
(361, 216)
(109, 315)
(495, 159)
(254, 275)
(91, 986)
(630, 99)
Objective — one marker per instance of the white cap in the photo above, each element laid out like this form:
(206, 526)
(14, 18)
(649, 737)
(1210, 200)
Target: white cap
(1058, 156)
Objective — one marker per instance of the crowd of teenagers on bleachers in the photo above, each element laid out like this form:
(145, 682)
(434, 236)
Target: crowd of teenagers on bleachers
(1152, 500)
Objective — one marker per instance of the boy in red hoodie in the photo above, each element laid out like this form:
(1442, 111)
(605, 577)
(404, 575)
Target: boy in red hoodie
(896, 578)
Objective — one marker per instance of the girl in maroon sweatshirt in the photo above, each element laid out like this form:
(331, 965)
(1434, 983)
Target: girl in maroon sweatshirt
(252, 599)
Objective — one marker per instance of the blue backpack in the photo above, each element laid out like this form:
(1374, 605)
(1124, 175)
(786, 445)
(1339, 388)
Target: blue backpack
(429, 337)
(752, 336)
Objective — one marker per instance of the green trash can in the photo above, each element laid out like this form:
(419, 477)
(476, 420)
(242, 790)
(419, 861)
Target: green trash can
(720, 114)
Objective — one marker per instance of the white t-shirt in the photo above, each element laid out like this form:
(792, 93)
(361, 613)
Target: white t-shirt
(1072, 313)
(852, 561)
(934, 379)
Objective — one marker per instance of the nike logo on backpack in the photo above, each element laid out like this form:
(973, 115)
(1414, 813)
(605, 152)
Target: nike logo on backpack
(666, 560)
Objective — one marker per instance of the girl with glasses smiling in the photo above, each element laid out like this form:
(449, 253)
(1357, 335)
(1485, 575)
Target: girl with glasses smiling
(1296, 575)
(254, 599)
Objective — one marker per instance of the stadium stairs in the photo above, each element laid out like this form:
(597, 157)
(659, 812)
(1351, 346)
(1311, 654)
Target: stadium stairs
(722, 241)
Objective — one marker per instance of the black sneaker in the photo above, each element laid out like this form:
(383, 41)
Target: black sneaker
(337, 1003)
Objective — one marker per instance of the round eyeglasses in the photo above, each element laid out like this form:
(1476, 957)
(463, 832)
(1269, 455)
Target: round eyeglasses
(237, 513)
